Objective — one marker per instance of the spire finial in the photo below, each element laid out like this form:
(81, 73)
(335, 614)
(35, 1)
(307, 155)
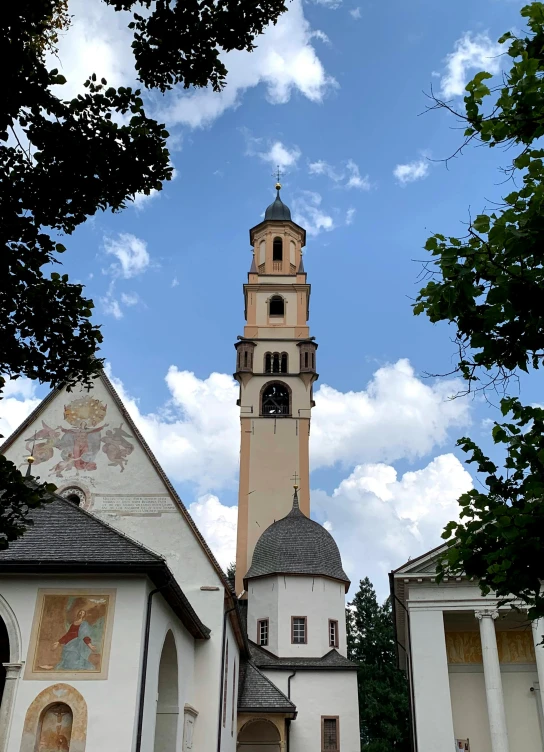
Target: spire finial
(296, 478)
(277, 175)
(30, 458)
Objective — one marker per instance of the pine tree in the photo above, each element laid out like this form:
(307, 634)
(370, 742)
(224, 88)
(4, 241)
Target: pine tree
(383, 688)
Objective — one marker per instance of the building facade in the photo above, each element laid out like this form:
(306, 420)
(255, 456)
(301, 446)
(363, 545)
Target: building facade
(118, 628)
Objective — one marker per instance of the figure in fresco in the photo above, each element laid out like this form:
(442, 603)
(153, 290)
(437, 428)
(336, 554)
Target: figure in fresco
(76, 646)
(42, 445)
(116, 447)
(56, 729)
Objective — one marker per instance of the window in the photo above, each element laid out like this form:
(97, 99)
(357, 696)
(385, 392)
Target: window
(330, 734)
(262, 632)
(284, 363)
(333, 633)
(277, 249)
(275, 400)
(225, 684)
(276, 363)
(233, 698)
(277, 306)
(268, 363)
(298, 630)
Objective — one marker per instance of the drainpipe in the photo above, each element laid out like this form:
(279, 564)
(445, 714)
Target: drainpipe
(144, 666)
(289, 720)
(221, 676)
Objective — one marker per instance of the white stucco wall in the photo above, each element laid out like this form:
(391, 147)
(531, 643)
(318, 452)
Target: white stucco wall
(228, 731)
(110, 724)
(318, 693)
(279, 598)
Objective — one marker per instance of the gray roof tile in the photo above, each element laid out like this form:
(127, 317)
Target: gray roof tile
(330, 661)
(257, 693)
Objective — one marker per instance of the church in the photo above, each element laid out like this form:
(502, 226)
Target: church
(119, 631)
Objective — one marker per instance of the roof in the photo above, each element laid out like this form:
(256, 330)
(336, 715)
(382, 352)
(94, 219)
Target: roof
(297, 545)
(256, 693)
(65, 538)
(331, 661)
(277, 210)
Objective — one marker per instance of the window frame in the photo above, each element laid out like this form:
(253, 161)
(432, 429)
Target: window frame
(275, 246)
(276, 297)
(305, 642)
(264, 387)
(225, 684)
(264, 620)
(333, 643)
(335, 718)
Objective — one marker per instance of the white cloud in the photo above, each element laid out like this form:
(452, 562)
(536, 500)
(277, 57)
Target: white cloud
(18, 401)
(112, 305)
(130, 298)
(396, 416)
(348, 176)
(284, 61)
(350, 214)
(142, 200)
(175, 282)
(411, 171)
(276, 153)
(471, 53)
(379, 520)
(217, 523)
(355, 13)
(130, 252)
(307, 212)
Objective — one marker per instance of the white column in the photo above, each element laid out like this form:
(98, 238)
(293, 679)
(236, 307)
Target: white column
(493, 683)
(13, 671)
(538, 637)
(430, 680)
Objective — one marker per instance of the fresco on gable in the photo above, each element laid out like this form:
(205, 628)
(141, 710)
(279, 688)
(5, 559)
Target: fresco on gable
(78, 444)
(71, 634)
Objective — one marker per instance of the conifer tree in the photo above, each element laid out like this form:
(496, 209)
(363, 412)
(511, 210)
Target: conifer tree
(383, 688)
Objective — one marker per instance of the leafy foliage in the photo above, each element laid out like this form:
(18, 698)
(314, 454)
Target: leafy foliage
(61, 161)
(490, 286)
(383, 689)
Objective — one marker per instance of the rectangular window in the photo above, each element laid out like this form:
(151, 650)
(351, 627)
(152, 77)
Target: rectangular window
(330, 734)
(299, 634)
(333, 633)
(233, 698)
(262, 632)
(225, 684)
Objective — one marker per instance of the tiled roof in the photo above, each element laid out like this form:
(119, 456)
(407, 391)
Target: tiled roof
(256, 693)
(330, 661)
(297, 545)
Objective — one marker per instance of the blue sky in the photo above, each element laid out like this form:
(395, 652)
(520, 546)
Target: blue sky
(335, 94)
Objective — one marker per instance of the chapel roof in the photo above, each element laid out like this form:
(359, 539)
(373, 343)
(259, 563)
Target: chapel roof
(277, 210)
(331, 661)
(297, 545)
(256, 693)
(63, 537)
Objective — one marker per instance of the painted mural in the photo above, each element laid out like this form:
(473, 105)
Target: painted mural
(77, 444)
(71, 634)
(514, 646)
(56, 729)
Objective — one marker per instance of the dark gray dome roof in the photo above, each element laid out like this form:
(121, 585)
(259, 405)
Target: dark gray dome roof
(297, 545)
(277, 209)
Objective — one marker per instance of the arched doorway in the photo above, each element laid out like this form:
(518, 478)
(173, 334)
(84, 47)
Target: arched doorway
(4, 656)
(259, 736)
(166, 725)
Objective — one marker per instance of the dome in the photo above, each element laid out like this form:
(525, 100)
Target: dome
(297, 545)
(277, 209)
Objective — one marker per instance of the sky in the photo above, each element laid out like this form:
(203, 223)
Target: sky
(336, 95)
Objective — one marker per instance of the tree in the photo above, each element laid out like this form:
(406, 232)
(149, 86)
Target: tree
(383, 689)
(490, 286)
(62, 161)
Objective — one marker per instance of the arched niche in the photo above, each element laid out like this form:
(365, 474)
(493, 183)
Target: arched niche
(259, 735)
(42, 718)
(13, 631)
(166, 724)
(10, 657)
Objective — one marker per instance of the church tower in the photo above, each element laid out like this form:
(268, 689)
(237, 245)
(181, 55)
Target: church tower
(275, 367)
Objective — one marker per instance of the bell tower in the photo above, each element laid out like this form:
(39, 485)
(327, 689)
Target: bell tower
(276, 368)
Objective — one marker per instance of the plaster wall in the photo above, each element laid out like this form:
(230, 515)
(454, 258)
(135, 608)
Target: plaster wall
(279, 598)
(110, 724)
(300, 393)
(228, 728)
(290, 298)
(318, 693)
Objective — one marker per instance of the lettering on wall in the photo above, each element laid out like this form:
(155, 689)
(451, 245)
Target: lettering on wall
(138, 505)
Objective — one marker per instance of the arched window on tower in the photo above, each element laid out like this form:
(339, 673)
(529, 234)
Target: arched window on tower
(276, 306)
(284, 362)
(276, 399)
(276, 362)
(277, 249)
(268, 363)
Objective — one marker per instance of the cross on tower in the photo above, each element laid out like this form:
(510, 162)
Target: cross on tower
(277, 174)
(296, 478)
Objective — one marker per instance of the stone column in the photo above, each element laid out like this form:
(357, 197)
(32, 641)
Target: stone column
(538, 637)
(493, 683)
(13, 671)
(431, 681)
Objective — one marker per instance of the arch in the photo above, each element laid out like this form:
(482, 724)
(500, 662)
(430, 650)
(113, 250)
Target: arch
(13, 631)
(276, 306)
(259, 735)
(10, 655)
(262, 252)
(277, 249)
(52, 698)
(284, 365)
(275, 399)
(167, 717)
(55, 727)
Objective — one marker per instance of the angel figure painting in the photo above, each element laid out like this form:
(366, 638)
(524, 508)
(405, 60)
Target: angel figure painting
(71, 634)
(80, 441)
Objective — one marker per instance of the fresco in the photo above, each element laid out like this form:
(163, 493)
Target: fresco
(78, 444)
(71, 634)
(56, 729)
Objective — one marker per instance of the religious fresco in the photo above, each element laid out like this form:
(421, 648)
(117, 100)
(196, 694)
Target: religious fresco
(71, 635)
(77, 445)
(514, 646)
(56, 729)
